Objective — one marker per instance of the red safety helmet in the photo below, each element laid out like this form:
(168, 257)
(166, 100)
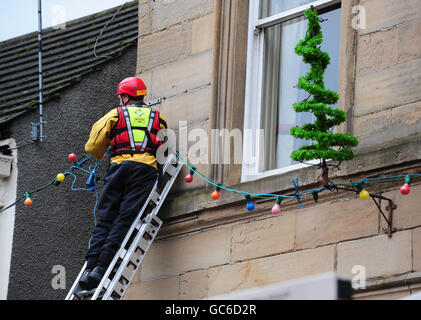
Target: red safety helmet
(133, 86)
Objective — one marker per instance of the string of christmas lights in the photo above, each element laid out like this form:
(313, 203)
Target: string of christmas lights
(76, 167)
(359, 186)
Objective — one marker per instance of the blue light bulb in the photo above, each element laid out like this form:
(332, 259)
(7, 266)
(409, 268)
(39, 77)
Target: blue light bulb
(250, 206)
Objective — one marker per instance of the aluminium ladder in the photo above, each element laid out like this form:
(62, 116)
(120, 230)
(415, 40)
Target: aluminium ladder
(135, 245)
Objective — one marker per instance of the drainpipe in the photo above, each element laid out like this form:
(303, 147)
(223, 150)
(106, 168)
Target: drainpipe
(213, 122)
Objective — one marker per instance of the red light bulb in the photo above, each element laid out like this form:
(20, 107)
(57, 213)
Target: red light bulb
(189, 178)
(405, 189)
(72, 157)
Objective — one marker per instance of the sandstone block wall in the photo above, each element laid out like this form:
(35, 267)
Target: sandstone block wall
(387, 107)
(175, 49)
(217, 250)
(260, 250)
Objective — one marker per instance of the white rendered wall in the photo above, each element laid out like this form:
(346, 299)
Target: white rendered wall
(7, 219)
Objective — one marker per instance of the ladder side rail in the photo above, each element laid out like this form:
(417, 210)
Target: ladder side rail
(127, 237)
(110, 268)
(70, 294)
(176, 170)
(154, 212)
(106, 282)
(134, 244)
(127, 260)
(138, 219)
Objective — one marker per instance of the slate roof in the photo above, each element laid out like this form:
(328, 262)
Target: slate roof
(68, 54)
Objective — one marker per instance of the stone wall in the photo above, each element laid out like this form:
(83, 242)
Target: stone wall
(388, 65)
(211, 255)
(210, 248)
(175, 60)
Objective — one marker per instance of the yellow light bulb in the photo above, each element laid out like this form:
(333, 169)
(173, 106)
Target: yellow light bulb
(60, 177)
(364, 194)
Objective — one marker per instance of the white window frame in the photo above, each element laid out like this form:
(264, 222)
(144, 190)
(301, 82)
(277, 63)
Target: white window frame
(253, 101)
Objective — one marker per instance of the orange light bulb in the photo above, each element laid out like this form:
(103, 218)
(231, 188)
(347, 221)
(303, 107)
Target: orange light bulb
(28, 202)
(215, 195)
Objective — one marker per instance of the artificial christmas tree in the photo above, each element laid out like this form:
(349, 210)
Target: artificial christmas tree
(326, 144)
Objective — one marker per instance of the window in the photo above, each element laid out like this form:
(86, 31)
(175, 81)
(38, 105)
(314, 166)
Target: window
(273, 70)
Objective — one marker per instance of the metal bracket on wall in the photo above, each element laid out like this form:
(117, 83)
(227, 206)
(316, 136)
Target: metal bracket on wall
(35, 131)
(391, 206)
(154, 102)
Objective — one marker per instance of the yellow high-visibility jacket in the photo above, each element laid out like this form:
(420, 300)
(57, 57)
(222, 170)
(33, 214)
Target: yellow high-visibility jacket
(100, 137)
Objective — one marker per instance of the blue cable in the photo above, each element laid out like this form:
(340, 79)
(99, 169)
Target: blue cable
(90, 171)
(297, 193)
(96, 205)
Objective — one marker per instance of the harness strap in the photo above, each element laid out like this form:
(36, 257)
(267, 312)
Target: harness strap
(163, 122)
(117, 153)
(148, 140)
(121, 130)
(132, 146)
(129, 127)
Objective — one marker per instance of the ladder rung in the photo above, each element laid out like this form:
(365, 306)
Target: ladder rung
(155, 196)
(119, 288)
(135, 259)
(156, 222)
(128, 273)
(171, 170)
(151, 230)
(143, 244)
(152, 219)
(122, 253)
(106, 284)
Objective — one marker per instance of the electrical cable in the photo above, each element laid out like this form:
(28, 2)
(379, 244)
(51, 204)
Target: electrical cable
(298, 195)
(358, 185)
(103, 29)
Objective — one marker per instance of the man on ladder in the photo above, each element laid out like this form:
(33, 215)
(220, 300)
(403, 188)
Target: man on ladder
(131, 131)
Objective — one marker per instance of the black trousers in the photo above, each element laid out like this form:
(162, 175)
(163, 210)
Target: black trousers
(127, 186)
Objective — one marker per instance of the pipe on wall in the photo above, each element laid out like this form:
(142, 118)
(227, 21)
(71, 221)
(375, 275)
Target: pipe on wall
(215, 82)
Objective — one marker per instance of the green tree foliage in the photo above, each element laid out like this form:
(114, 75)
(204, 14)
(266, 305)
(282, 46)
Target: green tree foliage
(327, 145)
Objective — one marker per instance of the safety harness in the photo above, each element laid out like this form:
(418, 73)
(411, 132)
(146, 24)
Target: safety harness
(136, 130)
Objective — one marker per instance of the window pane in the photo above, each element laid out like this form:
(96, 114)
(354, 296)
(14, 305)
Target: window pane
(281, 70)
(271, 7)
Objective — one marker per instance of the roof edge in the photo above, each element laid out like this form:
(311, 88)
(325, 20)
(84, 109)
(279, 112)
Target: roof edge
(30, 35)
